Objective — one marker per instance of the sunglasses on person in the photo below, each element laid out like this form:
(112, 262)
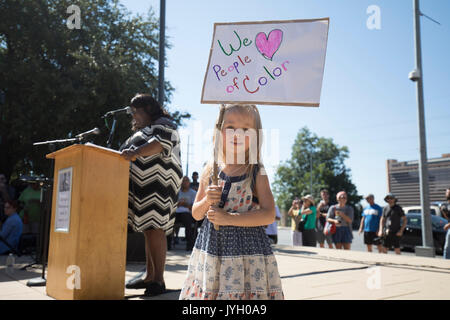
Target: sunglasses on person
(342, 197)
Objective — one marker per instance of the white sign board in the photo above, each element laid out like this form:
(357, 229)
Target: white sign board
(273, 62)
(63, 200)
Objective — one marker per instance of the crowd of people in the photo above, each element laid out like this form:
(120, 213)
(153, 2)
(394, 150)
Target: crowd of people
(382, 227)
(20, 216)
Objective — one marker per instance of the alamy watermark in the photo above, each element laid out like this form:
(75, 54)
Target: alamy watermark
(374, 20)
(374, 280)
(74, 20)
(74, 280)
(235, 146)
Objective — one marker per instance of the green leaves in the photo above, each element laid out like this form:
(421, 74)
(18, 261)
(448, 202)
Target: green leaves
(59, 81)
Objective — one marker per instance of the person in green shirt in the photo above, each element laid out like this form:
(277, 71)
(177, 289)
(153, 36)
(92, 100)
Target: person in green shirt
(309, 214)
(30, 199)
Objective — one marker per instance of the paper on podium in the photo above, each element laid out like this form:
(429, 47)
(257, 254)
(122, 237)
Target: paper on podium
(102, 148)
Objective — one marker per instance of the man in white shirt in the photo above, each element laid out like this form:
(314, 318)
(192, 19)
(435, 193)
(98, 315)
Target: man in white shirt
(272, 229)
(183, 214)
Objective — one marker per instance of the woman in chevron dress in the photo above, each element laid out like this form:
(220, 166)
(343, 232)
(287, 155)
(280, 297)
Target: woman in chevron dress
(155, 181)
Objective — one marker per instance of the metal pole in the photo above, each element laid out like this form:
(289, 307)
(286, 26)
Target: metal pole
(187, 158)
(427, 235)
(162, 29)
(311, 171)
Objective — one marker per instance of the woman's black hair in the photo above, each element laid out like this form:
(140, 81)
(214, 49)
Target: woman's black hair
(150, 106)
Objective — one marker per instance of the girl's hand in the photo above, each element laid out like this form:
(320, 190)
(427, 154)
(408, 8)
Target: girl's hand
(218, 216)
(213, 194)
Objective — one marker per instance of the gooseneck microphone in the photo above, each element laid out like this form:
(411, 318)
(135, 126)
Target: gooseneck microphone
(113, 112)
(88, 133)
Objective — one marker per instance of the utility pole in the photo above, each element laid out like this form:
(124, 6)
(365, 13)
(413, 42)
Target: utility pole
(187, 158)
(311, 173)
(162, 34)
(427, 248)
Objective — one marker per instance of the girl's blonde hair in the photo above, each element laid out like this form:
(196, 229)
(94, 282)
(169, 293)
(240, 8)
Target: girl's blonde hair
(249, 110)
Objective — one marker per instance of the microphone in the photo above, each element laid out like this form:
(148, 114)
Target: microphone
(110, 113)
(88, 133)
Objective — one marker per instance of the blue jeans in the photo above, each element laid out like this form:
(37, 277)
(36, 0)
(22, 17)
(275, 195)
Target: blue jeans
(447, 245)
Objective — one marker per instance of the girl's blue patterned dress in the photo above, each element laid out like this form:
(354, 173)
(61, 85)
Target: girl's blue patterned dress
(233, 262)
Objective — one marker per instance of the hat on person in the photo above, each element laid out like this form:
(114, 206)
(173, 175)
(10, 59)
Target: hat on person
(370, 195)
(390, 195)
(341, 193)
(310, 198)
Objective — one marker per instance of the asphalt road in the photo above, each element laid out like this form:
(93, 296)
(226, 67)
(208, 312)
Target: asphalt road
(285, 238)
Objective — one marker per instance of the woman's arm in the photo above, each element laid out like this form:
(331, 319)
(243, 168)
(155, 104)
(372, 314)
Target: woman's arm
(345, 217)
(329, 219)
(291, 212)
(145, 150)
(263, 216)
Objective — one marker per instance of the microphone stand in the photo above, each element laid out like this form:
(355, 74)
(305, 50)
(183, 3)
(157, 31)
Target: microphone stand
(111, 132)
(46, 196)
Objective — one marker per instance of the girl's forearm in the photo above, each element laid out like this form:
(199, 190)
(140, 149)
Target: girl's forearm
(254, 218)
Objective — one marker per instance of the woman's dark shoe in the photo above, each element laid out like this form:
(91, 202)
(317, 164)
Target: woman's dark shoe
(155, 288)
(137, 282)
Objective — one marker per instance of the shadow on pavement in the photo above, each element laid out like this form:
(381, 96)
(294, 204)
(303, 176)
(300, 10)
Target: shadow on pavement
(292, 251)
(170, 294)
(321, 272)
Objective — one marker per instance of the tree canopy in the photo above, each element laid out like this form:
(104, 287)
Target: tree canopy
(293, 178)
(57, 82)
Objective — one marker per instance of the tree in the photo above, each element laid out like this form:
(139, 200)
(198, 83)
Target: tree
(58, 82)
(293, 178)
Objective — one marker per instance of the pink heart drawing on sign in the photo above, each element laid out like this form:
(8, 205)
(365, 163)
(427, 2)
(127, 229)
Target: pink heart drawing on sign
(268, 45)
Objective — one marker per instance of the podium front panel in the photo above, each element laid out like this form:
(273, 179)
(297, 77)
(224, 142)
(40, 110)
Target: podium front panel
(88, 261)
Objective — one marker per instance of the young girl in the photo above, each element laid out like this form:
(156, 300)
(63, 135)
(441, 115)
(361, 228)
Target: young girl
(235, 261)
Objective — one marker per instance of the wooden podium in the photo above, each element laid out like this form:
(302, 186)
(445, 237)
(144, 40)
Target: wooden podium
(88, 232)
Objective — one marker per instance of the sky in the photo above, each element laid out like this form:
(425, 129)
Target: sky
(367, 101)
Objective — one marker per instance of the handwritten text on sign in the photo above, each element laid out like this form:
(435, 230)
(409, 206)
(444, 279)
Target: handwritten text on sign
(267, 63)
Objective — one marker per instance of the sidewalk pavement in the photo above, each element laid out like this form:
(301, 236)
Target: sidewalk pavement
(306, 273)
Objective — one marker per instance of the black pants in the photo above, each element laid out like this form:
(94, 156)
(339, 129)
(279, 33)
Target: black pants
(190, 225)
(274, 238)
(309, 237)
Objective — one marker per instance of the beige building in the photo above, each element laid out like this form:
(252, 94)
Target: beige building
(403, 179)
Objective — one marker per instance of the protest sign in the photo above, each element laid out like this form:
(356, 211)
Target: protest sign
(272, 62)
